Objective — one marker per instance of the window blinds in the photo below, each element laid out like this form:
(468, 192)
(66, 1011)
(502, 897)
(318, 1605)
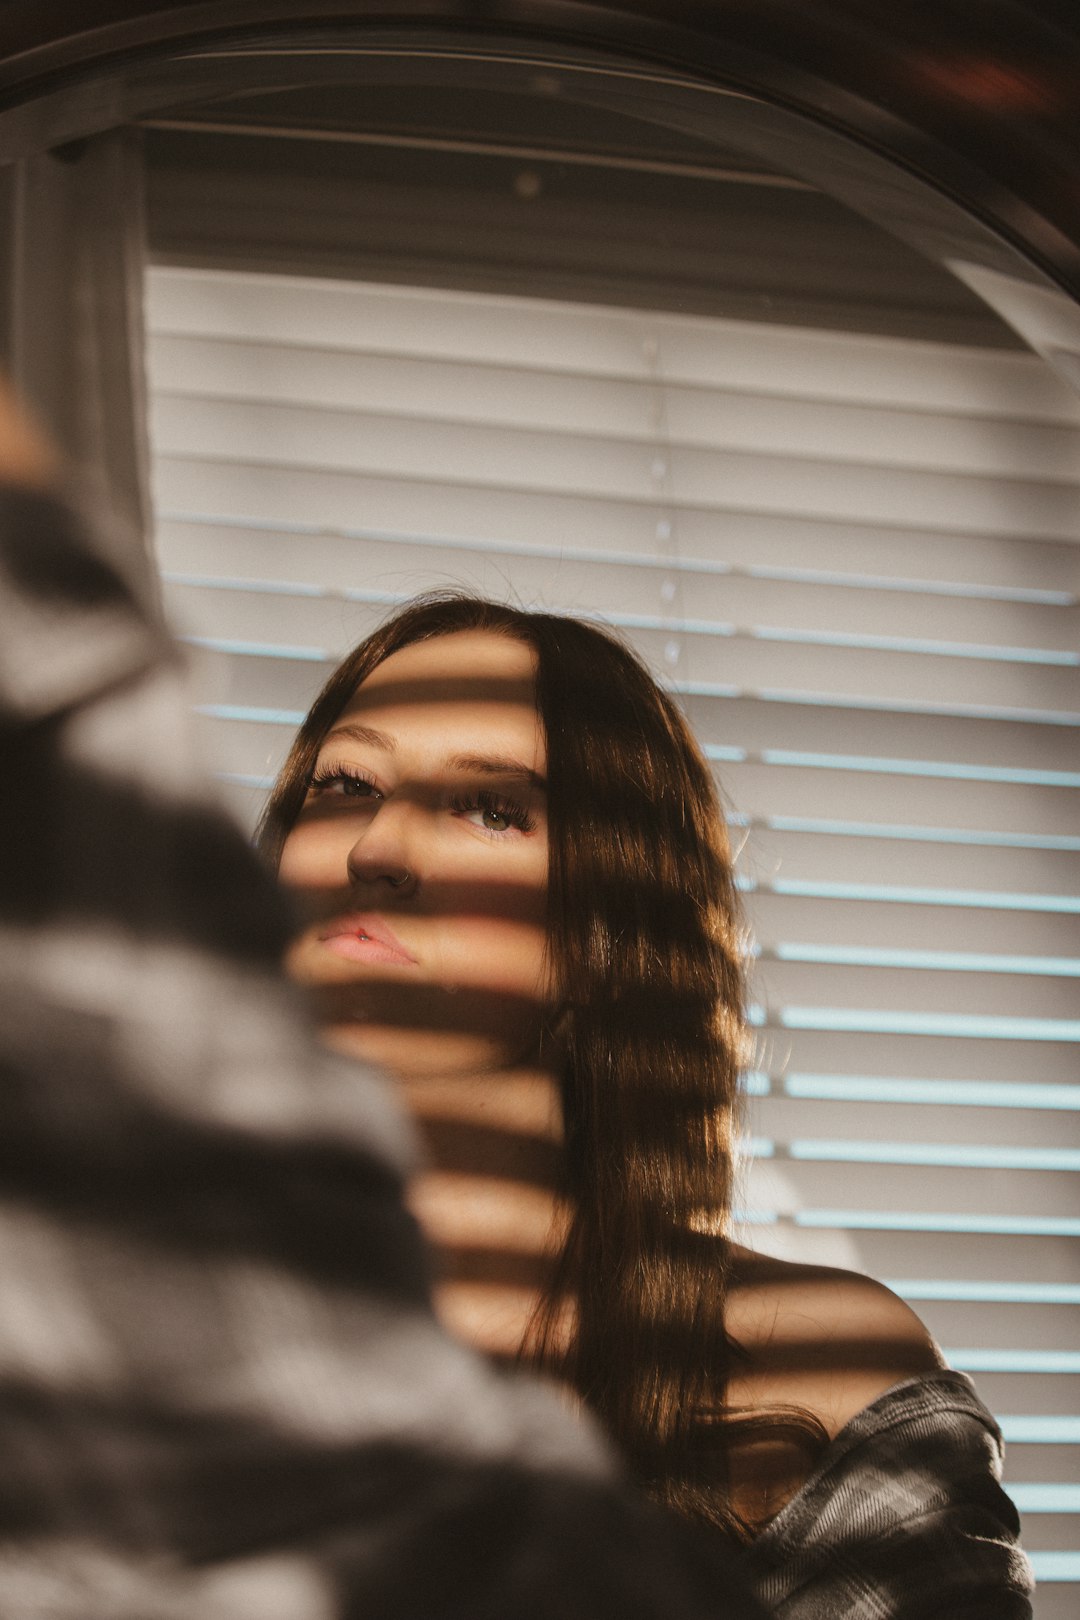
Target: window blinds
(857, 561)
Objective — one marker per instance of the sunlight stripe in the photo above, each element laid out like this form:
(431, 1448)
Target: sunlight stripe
(240, 711)
(1040, 1429)
(983, 1359)
(949, 769)
(1057, 967)
(897, 1220)
(256, 585)
(244, 779)
(928, 587)
(883, 705)
(755, 1083)
(1055, 1566)
(946, 1093)
(756, 1147)
(754, 1217)
(894, 1021)
(958, 1155)
(201, 518)
(926, 647)
(259, 649)
(921, 835)
(1058, 1498)
(982, 899)
(990, 1293)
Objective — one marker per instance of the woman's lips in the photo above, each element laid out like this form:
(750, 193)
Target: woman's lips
(365, 939)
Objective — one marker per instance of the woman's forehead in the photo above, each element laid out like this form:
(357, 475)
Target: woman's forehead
(464, 655)
(470, 684)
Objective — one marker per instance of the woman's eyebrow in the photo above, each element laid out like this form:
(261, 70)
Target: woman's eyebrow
(479, 764)
(363, 734)
(498, 765)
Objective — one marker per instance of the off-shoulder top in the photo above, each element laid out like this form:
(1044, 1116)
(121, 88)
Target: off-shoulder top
(903, 1518)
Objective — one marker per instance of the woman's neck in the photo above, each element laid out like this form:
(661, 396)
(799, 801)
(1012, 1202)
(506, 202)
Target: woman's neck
(487, 1198)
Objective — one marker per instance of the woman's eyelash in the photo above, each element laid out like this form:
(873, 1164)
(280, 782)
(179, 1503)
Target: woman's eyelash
(514, 814)
(334, 774)
(331, 775)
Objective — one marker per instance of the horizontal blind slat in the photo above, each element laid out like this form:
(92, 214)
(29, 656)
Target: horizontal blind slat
(781, 919)
(766, 790)
(1039, 1463)
(287, 539)
(755, 725)
(899, 864)
(795, 608)
(711, 352)
(938, 1255)
(202, 370)
(779, 1117)
(968, 1057)
(789, 1185)
(956, 995)
(249, 434)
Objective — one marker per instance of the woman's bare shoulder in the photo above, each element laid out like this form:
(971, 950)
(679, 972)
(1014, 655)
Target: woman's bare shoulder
(819, 1338)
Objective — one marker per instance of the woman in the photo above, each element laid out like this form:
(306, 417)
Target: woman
(517, 897)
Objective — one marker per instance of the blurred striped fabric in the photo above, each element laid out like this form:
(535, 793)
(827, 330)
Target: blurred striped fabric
(222, 1391)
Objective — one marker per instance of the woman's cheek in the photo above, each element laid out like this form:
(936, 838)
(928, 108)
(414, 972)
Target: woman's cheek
(505, 952)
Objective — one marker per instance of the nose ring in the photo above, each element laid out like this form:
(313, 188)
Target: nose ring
(399, 882)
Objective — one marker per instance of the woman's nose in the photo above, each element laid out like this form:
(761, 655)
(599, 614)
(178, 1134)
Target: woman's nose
(384, 853)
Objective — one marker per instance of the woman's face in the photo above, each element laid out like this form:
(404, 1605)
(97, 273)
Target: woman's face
(420, 862)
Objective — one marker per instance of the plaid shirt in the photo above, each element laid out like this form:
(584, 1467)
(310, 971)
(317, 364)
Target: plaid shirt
(222, 1389)
(903, 1519)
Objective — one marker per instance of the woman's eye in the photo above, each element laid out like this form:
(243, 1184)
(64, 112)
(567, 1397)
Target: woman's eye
(338, 783)
(493, 815)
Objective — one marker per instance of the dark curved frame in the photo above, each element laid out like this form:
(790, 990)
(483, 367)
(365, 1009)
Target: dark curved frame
(977, 99)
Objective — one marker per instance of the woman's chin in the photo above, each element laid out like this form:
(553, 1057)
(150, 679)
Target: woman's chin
(414, 1028)
(410, 1054)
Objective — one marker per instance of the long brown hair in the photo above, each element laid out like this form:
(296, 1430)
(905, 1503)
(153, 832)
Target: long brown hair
(644, 940)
